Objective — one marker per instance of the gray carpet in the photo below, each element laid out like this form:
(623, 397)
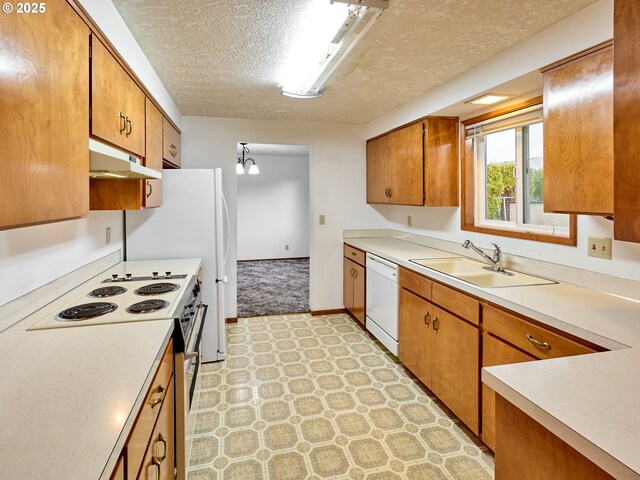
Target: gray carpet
(273, 287)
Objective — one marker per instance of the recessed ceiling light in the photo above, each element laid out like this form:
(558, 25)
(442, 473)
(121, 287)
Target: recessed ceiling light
(488, 99)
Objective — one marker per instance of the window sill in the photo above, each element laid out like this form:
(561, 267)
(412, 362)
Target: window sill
(571, 240)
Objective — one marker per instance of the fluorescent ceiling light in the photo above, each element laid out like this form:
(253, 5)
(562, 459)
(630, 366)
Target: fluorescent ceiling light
(488, 99)
(320, 42)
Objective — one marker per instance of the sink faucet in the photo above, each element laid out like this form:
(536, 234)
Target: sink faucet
(495, 262)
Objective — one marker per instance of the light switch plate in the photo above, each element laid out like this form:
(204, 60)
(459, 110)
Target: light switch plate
(107, 235)
(599, 247)
(408, 220)
(322, 219)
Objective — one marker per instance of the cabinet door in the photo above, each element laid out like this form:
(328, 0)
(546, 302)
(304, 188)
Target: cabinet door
(153, 154)
(44, 95)
(359, 287)
(578, 136)
(626, 119)
(159, 461)
(441, 162)
(171, 148)
(495, 352)
(377, 177)
(117, 103)
(347, 283)
(415, 337)
(456, 366)
(405, 167)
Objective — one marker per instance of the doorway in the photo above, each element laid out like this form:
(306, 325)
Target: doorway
(273, 229)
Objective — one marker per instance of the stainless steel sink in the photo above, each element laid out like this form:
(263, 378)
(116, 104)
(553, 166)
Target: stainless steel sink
(480, 274)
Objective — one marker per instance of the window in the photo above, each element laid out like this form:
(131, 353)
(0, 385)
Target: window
(503, 177)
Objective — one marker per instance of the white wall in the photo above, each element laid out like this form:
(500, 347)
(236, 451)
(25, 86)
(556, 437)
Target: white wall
(33, 256)
(337, 187)
(273, 209)
(587, 28)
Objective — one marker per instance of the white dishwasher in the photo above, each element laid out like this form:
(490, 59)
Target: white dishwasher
(382, 301)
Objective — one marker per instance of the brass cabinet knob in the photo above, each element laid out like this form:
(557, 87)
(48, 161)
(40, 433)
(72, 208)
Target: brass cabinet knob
(173, 150)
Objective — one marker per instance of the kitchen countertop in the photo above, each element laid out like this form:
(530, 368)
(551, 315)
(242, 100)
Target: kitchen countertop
(69, 396)
(590, 401)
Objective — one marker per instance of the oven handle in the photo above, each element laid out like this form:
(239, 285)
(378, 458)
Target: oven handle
(195, 337)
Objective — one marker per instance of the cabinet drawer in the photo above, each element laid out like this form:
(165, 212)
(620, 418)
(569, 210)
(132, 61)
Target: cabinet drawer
(415, 283)
(158, 462)
(525, 335)
(462, 305)
(171, 148)
(141, 432)
(354, 254)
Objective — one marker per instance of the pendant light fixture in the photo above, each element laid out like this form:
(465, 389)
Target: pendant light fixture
(241, 166)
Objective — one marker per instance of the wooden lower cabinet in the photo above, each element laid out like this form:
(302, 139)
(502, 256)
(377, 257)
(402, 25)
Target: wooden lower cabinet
(354, 284)
(456, 366)
(442, 351)
(525, 450)
(153, 434)
(495, 352)
(119, 471)
(414, 335)
(158, 463)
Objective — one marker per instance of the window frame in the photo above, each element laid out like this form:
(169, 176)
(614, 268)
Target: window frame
(468, 194)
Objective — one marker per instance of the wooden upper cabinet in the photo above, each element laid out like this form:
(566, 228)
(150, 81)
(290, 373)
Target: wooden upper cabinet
(415, 165)
(403, 153)
(171, 147)
(117, 103)
(441, 162)
(395, 166)
(578, 134)
(626, 120)
(44, 95)
(153, 154)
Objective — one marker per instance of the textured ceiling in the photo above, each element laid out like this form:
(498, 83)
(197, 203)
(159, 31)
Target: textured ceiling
(223, 58)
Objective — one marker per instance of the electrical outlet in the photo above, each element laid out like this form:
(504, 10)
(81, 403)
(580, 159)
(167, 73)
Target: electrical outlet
(599, 247)
(322, 219)
(107, 235)
(408, 220)
(286, 247)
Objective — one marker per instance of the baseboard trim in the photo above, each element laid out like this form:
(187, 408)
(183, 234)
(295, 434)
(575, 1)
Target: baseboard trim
(231, 320)
(333, 311)
(272, 259)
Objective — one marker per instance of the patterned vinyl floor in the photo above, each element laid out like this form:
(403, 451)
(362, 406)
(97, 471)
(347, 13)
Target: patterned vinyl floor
(304, 397)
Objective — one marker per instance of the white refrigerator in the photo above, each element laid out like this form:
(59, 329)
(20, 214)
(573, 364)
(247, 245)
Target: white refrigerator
(193, 221)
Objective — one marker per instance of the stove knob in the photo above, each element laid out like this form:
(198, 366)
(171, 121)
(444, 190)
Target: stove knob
(114, 277)
(168, 274)
(155, 275)
(129, 277)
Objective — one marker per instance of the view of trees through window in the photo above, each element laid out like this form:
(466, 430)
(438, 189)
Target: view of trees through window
(512, 156)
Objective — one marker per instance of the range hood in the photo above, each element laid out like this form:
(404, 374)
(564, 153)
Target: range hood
(110, 163)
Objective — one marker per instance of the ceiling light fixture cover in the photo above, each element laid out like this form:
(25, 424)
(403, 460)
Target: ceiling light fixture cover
(322, 40)
(488, 99)
(241, 166)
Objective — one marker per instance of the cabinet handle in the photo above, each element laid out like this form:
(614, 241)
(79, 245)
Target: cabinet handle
(123, 123)
(390, 192)
(162, 439)
(150, 189)
(153, 402)
(427, 319)
(355, 273)
(354, 254)
(173, 151)
(130, 129)
(538, 343)
(156, 463)
(436, 324)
